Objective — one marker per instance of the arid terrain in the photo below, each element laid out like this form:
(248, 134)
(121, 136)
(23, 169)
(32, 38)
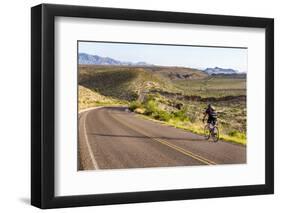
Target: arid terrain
(176, 96)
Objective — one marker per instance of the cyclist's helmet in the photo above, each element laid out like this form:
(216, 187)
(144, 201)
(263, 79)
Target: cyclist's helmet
(210, 106)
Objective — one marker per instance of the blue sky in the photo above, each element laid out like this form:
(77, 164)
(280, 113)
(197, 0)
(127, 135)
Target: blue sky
(169, 55)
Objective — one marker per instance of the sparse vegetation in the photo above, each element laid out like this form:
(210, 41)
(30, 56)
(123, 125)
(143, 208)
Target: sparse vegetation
(174, 96)
(89, 98)
(134, 105)
(213, 86)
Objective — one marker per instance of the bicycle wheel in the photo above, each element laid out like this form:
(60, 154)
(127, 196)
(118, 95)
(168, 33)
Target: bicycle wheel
(215, 134)
(206, 132)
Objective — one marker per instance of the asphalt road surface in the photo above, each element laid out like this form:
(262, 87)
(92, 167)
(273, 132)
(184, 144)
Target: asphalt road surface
(113, 138)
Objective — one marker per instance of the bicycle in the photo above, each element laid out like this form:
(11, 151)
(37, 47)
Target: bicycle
(211, 130)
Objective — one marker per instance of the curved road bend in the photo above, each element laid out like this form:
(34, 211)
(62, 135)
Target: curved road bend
(112, 138)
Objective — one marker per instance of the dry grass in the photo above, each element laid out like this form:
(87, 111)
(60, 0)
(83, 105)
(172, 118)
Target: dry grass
(89, 98)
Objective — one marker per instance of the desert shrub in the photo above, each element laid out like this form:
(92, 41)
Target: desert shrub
(151, 107)
(134, 105)
(181, 115)
(235, 133)
(150, 97)
(133, 96)
(162, 115)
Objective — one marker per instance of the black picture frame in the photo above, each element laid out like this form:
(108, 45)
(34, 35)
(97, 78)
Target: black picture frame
(43, 102)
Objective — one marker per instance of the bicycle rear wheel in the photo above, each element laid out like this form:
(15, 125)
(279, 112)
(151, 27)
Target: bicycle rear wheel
(206, 132)
(215, 134)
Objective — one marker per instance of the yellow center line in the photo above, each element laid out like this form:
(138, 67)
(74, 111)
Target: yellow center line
(186, 152)
(177, 148)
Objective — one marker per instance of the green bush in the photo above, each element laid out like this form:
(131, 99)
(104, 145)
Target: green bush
(181, 115)
(162, 115)
(237, 134)
(134, 104)
(134, 96)
(151, 107)
(150, 97)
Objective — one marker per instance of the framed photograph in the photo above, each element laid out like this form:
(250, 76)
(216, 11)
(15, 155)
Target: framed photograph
(139, 106)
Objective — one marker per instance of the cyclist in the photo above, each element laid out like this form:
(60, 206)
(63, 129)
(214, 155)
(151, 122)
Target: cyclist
(212, 115)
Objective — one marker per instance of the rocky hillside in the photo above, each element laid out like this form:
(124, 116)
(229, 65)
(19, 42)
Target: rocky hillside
(123, 83)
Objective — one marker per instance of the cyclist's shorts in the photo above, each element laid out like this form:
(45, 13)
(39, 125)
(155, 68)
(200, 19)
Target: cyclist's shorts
(212, 120)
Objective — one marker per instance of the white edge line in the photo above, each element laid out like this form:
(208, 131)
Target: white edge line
(94, 162)
(98, 107)
(88, 109)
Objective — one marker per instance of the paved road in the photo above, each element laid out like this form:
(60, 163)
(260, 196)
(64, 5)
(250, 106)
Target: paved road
(112, 138)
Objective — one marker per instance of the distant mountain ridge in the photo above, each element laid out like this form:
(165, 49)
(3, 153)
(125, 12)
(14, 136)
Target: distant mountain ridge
(88, 59)
(218, 70)
(85, 58)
